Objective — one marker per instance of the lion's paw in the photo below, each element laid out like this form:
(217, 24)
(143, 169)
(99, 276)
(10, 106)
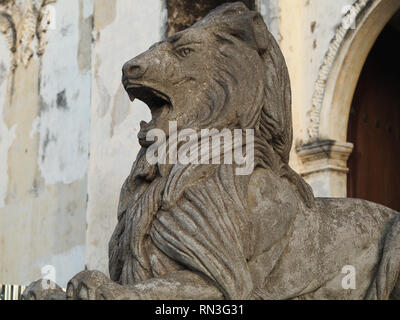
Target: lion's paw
(85, 285)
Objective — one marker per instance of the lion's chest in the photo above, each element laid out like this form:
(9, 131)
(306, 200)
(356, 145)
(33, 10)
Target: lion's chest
(273, 205)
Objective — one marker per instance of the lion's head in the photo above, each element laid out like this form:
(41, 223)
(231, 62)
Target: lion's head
(226, 71)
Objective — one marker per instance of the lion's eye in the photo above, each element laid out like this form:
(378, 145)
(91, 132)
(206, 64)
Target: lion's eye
(184, 52)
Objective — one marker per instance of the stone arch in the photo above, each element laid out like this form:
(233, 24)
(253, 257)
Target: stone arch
(342, 65)
(325, 153)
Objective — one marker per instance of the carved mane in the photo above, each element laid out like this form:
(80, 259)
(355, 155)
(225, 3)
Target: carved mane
(268, 110)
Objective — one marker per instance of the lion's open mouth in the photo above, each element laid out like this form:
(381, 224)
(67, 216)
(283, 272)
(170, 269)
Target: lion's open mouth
(158, 102)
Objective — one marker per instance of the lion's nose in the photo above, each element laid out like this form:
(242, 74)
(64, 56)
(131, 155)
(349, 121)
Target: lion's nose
(133, 70)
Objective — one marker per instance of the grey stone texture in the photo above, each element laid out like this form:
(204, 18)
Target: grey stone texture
(202, 232)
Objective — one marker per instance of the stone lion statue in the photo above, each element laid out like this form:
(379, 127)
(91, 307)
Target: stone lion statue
(199, 231)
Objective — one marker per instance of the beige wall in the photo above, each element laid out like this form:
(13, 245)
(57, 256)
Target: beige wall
(44, 126)
(307, 28)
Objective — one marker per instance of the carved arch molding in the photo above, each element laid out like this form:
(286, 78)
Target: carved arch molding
(335, 45)
(24, 24)
(368, 18)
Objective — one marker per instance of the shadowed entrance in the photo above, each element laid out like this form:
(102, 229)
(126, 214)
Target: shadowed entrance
(374, 124)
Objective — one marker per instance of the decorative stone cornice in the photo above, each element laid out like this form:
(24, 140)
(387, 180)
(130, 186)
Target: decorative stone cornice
(24, 24)
(334, 47)
(327, 155)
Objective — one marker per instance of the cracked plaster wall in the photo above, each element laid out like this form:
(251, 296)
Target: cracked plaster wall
(44, 136)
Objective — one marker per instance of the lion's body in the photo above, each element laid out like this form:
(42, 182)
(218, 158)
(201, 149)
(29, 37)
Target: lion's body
(351, 232)
(271, 245)
(316, 244)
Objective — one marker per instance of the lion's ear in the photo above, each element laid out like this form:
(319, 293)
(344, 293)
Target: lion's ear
(250, 28)
(261, 33)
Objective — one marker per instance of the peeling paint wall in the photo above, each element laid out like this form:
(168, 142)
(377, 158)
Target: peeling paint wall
(63, 119)
(7, 135)
(122, 30)
(44, 143)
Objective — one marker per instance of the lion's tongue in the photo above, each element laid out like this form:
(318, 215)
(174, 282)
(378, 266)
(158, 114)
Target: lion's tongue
(156, 114)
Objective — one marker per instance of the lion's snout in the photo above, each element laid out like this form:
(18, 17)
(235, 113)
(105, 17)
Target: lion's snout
(134, 69)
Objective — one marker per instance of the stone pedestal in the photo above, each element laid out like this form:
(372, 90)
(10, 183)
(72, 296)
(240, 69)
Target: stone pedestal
(324, 166)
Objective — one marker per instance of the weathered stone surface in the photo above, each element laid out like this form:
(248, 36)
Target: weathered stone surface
(202, 232)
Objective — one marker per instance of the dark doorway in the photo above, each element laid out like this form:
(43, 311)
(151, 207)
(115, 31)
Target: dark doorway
(374, 124)
(184, 13)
